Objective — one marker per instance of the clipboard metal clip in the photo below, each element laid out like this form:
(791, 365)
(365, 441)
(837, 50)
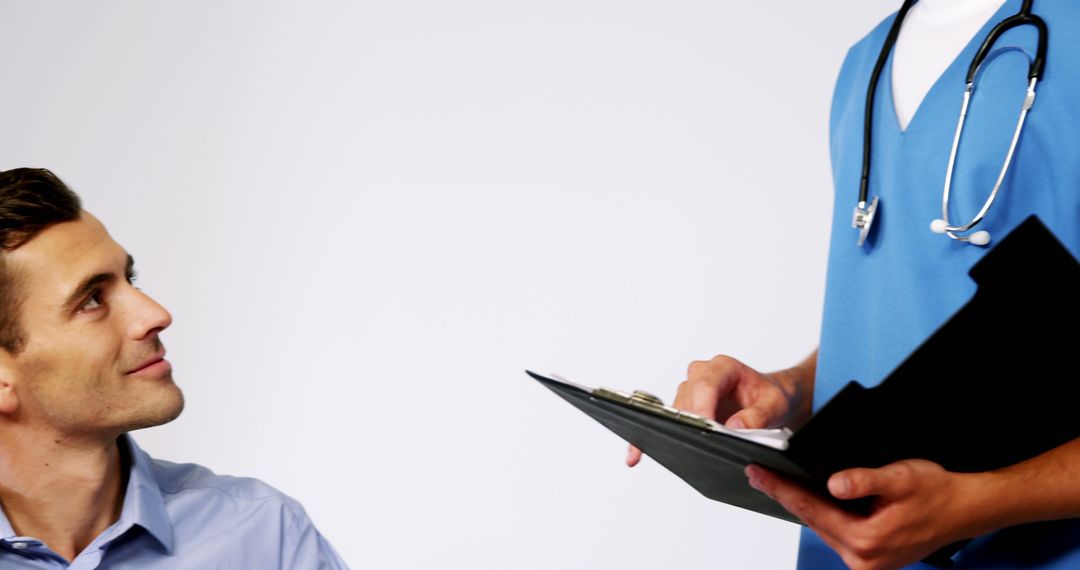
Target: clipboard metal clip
(649, 403)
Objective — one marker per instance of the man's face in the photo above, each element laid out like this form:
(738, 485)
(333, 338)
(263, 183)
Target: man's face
(92, 364)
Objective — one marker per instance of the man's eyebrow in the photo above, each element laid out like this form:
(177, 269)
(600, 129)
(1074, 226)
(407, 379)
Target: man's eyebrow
(90, 283)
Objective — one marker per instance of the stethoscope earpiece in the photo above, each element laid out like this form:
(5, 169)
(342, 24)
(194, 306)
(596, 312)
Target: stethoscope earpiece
(979, 238)
(939, 226)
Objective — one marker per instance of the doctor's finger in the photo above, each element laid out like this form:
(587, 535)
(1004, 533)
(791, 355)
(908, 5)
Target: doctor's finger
(818, 513)
(891, 481)
(706, 386)
(633, 456)
(701, 398)
(760, 410)
(754, 417)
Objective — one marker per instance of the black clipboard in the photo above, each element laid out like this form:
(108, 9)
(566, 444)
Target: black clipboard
(993, 386)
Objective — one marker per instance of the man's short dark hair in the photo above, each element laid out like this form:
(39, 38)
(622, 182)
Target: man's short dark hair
(31, 199)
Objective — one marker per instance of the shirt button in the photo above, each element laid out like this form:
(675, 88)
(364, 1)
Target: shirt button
(18, 545)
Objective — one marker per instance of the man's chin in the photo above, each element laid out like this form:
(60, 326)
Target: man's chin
(162, 411)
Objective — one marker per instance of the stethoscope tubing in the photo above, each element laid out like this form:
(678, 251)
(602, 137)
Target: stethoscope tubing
(864, 212)
(1022, 18)
(868, 114)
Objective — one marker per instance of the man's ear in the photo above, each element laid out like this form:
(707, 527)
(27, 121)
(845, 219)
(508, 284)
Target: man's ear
(9, 401)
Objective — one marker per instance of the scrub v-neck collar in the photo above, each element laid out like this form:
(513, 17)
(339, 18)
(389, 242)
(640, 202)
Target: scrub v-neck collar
(939, 93)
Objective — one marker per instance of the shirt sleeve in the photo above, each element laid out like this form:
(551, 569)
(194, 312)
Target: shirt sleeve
(304, 548)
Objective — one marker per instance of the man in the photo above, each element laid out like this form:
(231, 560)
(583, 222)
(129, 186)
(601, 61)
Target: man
(885, 299)
(81, 365)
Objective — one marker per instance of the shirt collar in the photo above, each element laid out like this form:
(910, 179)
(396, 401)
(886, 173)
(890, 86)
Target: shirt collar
(143, 502)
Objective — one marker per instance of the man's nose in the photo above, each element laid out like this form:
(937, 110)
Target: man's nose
(149, 317)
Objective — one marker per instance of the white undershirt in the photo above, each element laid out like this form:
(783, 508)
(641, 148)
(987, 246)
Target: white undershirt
(932, 35)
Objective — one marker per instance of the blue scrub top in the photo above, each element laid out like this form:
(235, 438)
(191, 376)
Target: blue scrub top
(884, 299)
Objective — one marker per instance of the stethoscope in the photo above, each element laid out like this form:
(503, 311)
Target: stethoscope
(864, 213)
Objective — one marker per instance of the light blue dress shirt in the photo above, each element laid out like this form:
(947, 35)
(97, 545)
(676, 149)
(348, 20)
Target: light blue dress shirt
(183, 516)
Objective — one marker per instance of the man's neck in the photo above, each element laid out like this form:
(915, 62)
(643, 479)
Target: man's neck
(60, 492)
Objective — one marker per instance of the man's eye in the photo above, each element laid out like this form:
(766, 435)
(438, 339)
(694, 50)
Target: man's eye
(92, 303)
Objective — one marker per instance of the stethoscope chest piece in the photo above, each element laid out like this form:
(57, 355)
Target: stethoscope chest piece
(863, 218)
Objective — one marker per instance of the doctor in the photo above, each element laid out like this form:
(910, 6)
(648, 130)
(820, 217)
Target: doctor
(890, 292)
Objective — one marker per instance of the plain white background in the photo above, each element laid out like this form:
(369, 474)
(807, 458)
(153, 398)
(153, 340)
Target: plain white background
(368, 218)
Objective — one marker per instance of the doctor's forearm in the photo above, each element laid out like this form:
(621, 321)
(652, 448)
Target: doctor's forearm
(1043, 488)
(798, 383)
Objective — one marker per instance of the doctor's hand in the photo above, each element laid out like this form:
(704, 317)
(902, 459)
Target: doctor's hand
(731, 392)
(919, 508)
